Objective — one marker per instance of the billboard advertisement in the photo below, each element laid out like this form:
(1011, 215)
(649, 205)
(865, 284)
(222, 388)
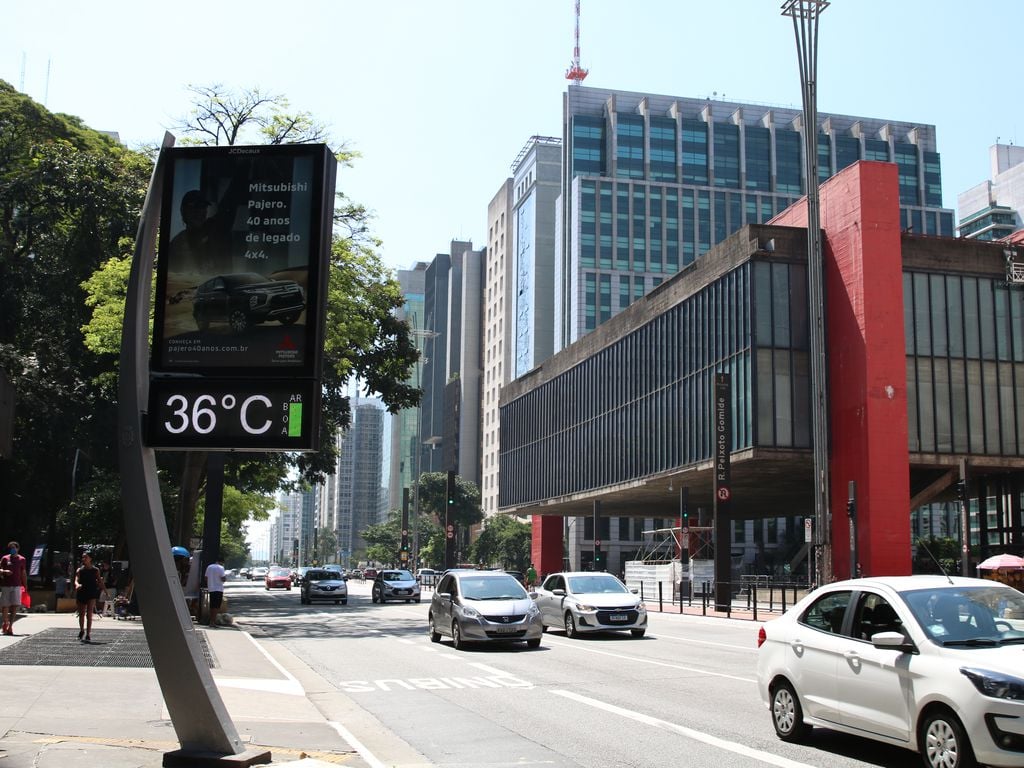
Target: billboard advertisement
(242, 265)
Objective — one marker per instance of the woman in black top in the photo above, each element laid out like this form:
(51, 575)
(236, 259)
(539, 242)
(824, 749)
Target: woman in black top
(87, 590)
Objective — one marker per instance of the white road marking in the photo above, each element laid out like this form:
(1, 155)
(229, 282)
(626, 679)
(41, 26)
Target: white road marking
(357, 745)
(640, 660)
(750, 647)
(714, 741)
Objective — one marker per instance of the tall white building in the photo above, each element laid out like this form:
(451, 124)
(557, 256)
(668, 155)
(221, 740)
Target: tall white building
(994, 209)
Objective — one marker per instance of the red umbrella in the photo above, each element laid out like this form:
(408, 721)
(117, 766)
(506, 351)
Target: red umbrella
(999, 562)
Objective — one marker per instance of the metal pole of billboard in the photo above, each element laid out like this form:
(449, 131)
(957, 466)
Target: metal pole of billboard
(805, 15)
(198, 714)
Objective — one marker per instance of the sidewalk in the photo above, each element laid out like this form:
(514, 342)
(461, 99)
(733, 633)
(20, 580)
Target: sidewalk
(70, 705)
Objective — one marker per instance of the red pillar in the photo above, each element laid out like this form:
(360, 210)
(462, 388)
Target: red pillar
(866, 351)
(546, 550)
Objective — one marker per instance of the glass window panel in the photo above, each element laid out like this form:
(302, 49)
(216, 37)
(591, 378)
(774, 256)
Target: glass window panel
(954, 321)
(958, 399)
(922, 315)
(972, 346)
(926, 401)
(990, 385)
(943, 427)
(783, 399)
(788, 167)
(986, 319)
(765, 399)
(780, 301)
(975, 411)
(940, 346)
(1007, 410)
(913, 407)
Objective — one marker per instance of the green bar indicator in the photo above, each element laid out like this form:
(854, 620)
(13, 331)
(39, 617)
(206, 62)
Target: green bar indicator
(294, 419)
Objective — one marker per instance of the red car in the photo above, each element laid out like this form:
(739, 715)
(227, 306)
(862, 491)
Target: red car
(370, 573)
(278, 578)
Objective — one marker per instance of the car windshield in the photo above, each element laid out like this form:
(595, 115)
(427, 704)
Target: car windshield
(245, 278)
(321, 575)
(969, 616)
(589, 585)
(505, 588)
(397, 576)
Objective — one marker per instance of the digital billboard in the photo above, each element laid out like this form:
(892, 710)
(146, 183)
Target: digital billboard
(242, 264)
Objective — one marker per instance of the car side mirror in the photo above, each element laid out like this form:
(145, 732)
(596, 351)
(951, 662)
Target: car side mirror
(634, 590)
(443, 595)
(533, 595)
(896, 641)
(558, 592)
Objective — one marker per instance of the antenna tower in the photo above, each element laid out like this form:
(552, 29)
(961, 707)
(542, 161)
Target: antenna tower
(575, 72)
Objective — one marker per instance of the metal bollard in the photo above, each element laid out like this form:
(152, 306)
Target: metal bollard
(755, 602)
(783, 600)
(661, 606)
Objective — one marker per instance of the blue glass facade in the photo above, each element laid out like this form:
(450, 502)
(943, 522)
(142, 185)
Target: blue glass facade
(654, 182)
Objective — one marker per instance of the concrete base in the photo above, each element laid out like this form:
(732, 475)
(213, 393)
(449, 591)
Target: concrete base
(183, 758)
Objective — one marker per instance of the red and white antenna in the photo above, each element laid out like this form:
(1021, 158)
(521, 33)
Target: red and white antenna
(575, 72)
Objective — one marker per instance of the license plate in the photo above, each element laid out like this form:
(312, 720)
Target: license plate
(618, 617)
(405, 591)
(504, 628)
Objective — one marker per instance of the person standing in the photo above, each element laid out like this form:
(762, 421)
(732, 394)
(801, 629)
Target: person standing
(13, 578)
(531, 577)
(215, 588)
(87, 591)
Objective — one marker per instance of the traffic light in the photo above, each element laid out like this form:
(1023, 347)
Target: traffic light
(961, 491)
(451, 487)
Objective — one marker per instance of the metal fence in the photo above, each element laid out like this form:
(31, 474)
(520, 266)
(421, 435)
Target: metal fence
(750, 598)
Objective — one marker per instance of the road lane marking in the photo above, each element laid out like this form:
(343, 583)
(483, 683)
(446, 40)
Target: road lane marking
(706, 738)
(640, 660)
(660, 636)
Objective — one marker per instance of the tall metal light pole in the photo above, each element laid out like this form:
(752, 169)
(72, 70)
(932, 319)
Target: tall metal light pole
(805, 15)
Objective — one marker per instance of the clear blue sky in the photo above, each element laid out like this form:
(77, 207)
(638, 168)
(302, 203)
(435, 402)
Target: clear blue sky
(440, 95)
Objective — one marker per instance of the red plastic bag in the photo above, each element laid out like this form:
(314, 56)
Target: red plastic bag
(26, 598)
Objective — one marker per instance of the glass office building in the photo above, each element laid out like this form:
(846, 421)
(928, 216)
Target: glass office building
(650, 183)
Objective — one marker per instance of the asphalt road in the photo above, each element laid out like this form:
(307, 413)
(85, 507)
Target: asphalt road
(684, 694)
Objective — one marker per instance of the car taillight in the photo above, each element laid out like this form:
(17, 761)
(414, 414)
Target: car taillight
(761, 637)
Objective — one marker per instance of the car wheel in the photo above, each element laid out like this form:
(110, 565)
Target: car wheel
(637, 632)
(267, 588)
(944, 743)
(288, 588)
(238, 320)
(787, 715)
(543, 627)
(534, 643)
(373, 596)
(570, 625)
(457, 640)
(345, 601)
(416, 600)
(408, 601)
(435, 636)
(303, 601)
(288, 319)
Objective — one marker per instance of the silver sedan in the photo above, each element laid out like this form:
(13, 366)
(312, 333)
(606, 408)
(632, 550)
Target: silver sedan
(587, 601)
(483, 606)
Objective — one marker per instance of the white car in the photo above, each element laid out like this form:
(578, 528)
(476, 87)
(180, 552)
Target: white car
(586, 601)
(931, 663)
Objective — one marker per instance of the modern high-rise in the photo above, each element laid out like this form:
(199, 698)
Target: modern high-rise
(994, 209)
(406, 449)
(452, 368)
(518, 287)
(650, 183)
(353, 497)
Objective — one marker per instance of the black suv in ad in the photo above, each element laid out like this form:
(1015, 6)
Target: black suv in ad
(245, 299)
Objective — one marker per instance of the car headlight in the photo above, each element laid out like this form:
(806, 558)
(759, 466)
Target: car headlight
(532, 611)
(995, 684)
(470, 613)
(640, 608)
(585, 608)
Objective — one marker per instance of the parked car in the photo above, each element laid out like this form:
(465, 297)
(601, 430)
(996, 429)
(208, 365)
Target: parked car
(323, 584)
(427, 577)
(243, 573)
(395, 585)
(278, 578)
(931, 663)
(258, 574)
(483, 606)
(244, 299)
(518, 576)
(587, 601)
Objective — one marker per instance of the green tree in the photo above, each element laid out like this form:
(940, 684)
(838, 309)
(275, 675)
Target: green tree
(326, 546)
(505, 542)
(384, 540)
(68, 196)
(237, 509)
(434, 499)
(364, 338)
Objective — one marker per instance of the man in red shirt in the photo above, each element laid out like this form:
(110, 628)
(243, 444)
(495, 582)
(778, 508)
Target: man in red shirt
(13, 577)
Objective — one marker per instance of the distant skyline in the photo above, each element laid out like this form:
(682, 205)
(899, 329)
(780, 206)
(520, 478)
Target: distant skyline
(439, 97)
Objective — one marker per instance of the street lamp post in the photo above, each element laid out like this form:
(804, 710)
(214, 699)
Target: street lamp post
(428, 334)
(805, 15)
